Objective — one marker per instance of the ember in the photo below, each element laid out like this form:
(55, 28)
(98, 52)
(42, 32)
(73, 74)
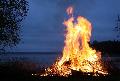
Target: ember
(77, 54)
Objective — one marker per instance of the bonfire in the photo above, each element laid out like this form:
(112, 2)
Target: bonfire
(77, 54)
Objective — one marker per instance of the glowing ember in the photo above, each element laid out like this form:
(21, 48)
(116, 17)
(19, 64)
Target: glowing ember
(77, 54)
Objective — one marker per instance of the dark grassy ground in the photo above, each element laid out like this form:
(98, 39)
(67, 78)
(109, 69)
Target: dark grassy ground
(17, 71)
(22, 71)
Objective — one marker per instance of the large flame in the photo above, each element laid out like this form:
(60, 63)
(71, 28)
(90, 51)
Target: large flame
(77, 54)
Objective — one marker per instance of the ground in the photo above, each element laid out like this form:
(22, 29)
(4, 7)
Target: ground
(19, 71)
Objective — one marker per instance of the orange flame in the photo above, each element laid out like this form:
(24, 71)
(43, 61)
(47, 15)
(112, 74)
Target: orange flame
(69, 10)
(77, 54)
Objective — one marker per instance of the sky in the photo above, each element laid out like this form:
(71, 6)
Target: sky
(43, 29)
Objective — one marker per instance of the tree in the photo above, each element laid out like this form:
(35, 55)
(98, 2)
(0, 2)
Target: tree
(117, 27)
(12, 12)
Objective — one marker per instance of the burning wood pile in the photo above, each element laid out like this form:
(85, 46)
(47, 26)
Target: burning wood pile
(77, 54)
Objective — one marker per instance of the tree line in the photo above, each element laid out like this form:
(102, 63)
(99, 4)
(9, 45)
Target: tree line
(109, 47)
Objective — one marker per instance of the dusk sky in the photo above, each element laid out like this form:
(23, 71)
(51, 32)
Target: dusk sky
(43, 29)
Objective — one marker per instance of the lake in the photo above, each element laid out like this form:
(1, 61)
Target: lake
(42, 58)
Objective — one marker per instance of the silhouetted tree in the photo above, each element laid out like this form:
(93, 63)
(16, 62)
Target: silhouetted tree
(117, 27)
(12, 12)
(110, 47)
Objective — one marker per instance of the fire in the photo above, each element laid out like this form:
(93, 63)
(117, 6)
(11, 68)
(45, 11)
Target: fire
(77, 54)
(69, 10)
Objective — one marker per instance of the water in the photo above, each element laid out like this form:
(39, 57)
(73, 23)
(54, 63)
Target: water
(36, 58)
(46, 59)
